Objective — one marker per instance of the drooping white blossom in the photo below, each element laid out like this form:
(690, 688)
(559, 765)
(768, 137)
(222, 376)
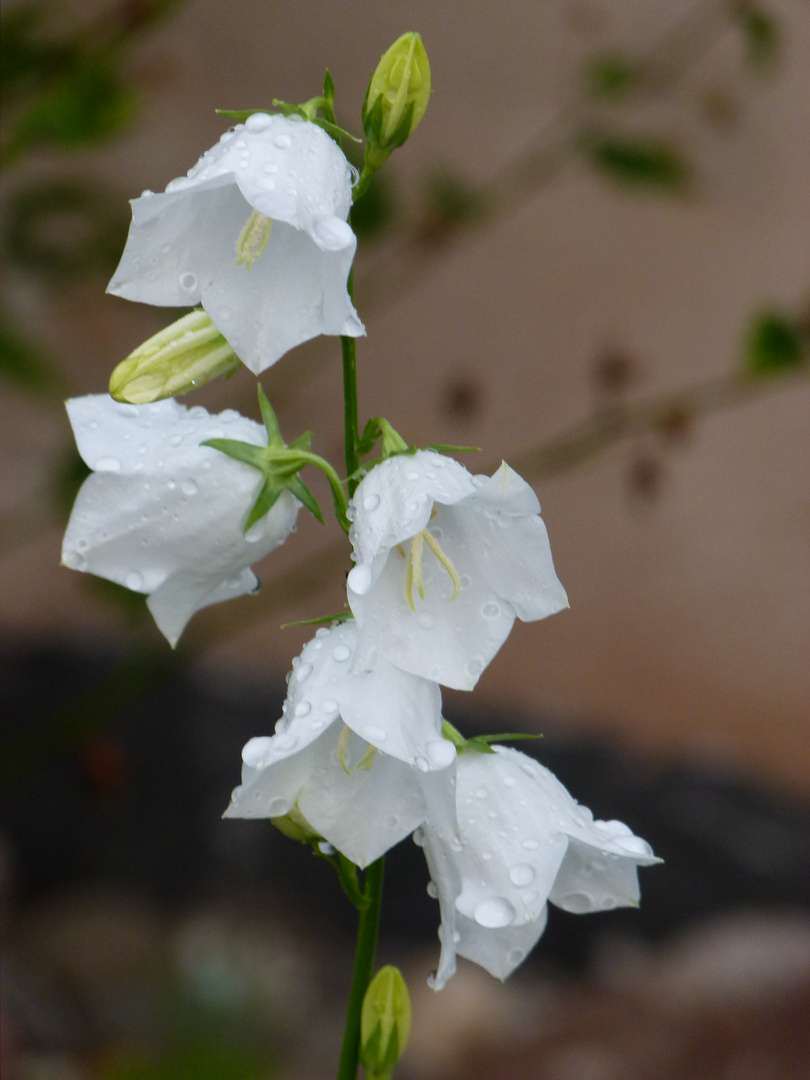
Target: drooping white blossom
(353, 752)
(162, 514)
(257, 233)
(520, 841)
(444, 562)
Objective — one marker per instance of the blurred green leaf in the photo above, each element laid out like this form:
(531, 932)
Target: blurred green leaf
(774, 343)
(64, 228)
(203, 1061)
(639, 162)
(612, 77)
(88, 104)
(761, 33)
(21, 362)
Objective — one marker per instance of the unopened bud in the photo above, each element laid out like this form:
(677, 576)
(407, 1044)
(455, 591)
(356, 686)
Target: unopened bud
(296, 826)
(385, 1023)
(396, 99)
(187, 354)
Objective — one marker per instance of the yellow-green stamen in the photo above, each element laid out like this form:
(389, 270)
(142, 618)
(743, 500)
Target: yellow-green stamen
(343, 742)
(253, 239)
(413, 568)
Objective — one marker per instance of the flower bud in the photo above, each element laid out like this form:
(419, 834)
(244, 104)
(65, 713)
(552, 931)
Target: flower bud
(396, 99)
(296, 826)
(187, 354)
(385, 1023)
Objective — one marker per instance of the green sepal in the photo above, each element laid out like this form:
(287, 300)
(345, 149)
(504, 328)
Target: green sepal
(321, 620)
(300, 490)
(329, 88)
(449, 448)
(240, 451)
(267, 498)
(480, 744)
(269, 420)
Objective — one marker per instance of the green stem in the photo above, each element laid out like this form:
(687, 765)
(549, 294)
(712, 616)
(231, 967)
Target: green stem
(348, 347)
(363, 969)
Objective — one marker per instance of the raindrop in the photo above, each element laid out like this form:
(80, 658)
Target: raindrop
(189, 487)
(255, 750)
(521, 875)
(303, 708)
(277, 807)
(412, 475)
(531, 845)
(256, 532)
(432, 889)
(441, 753)
(258, 122)
(188, 282)
(374, 733)
(494, 913)
(341, 653)
(108, 464)
(515, 957)
(490, 610)
(303, 671)
(474, 668)
(134, 581)
(326, 848)
(371, 502)
(577, 902)
(330, 706)
(607, 903)
(419, 837)
(225, 313)
(283, 142)
(509, 781)
(359, 579)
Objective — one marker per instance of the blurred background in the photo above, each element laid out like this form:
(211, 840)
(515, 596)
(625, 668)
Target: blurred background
(592, 260)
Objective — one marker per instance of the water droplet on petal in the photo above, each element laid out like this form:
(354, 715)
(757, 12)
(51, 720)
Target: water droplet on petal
(490, 610)
(359, 579)
(341, 653)
(375, 734)
(277, 807)
(256, 531)
(283, 142)
(371, 502)
(419, 837)
(258, 122)
(330, 706)
(134, 581)
(515, 957)
(107, 464)
(509, 781)
(432, 889)
(521, 875)
(494, 913)
(303, 671)
(577, 902)
(303, 708)
(441, 753)
(188, 282)
(189, 487)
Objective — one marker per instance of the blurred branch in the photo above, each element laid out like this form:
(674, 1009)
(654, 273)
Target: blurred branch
(573, 132)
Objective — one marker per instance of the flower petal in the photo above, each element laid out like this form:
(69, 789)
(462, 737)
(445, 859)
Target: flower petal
(162, 514)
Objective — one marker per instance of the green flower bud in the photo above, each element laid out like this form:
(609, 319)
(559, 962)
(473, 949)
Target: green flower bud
(385, 1023)
(396, 99)
(296, 826)
(187, 354)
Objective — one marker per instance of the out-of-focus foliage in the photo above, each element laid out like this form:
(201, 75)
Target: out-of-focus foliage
(775, 343)
(639, 162)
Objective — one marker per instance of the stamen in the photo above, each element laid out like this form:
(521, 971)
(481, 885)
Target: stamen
(413, 568)
(253, 239)
(343, 742)
(367, 760)
(436, 548)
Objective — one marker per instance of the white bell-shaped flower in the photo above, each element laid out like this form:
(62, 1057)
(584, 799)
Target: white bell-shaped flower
(521, 840)
(353, 752)
(444, 562)
(257, 233)
(162, 514)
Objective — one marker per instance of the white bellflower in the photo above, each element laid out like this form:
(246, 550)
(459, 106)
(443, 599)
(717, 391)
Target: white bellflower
(162, 514)
(256, 233)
